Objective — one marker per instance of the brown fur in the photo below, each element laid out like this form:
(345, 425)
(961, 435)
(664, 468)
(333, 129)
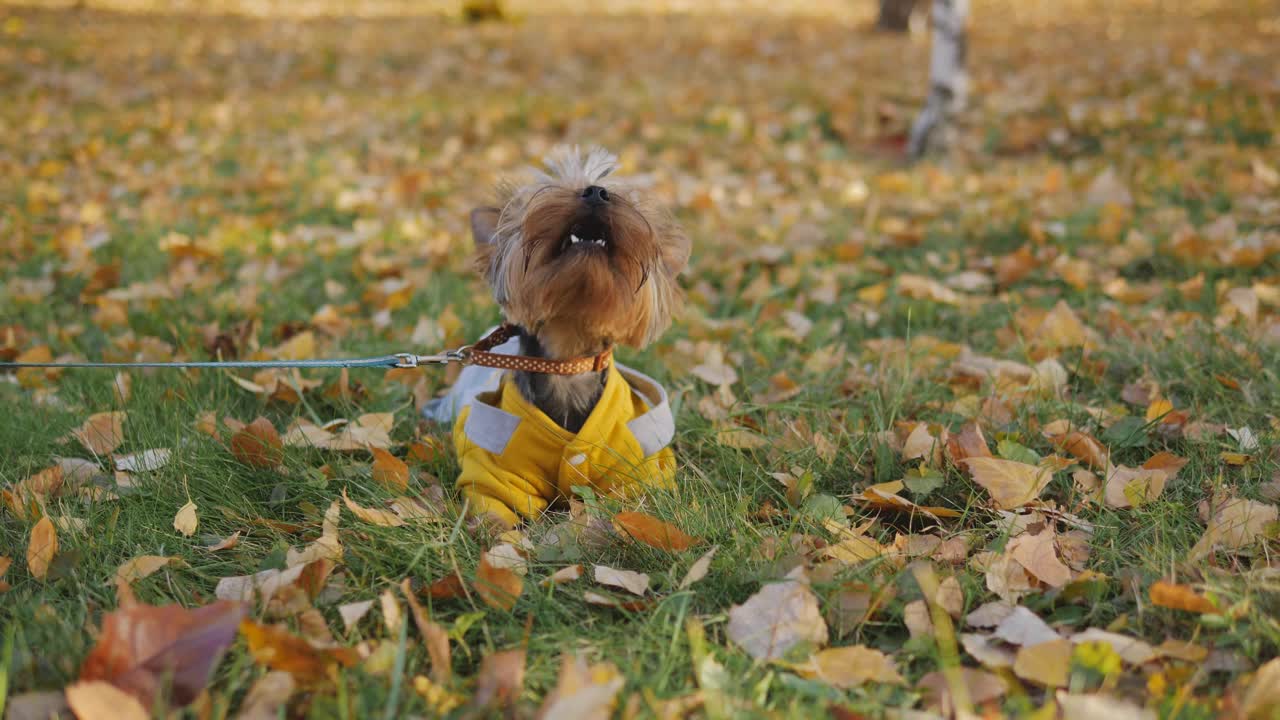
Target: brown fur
(577, 301)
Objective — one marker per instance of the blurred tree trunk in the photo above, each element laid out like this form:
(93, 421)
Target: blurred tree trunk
(948, 83)
(895, 15)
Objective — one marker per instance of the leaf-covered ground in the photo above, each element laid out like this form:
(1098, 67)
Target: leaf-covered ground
(1009, 410)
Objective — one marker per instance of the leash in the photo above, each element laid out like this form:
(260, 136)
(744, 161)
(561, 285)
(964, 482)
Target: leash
(477, 354)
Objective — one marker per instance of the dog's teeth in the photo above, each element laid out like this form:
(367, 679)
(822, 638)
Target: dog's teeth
(599, 241)
(574, 239)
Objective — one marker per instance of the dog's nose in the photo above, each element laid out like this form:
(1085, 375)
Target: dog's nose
(595, 195)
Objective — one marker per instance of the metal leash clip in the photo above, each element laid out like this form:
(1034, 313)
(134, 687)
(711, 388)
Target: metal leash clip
(409, 360)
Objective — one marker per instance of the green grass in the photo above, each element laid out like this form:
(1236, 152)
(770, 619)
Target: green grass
(264, 182)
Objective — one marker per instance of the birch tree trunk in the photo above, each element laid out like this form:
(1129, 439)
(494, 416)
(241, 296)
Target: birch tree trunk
(948, 83)
(895, 15)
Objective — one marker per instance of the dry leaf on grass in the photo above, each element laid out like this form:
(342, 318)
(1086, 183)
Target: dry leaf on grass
(351, 613)
(326, 547)
(1235, 524)
(186, 521)
(1093, 707)
(144, 565)
(653, 532)
(563, 575)
(1132, 487)
(633, 582)
(145, 650)
(1180, 597)
(499, 680)
(884, 496)
(145, 461)
(41, 548)
(698, 569)
(225, 543)
(385, 518)
(1044, 663)
(498, 587)
(1130, 649)
(102, 433)
(1011, 484)
(258, 444)
(583, 692)
(1038, 555)
(276, 648)
(98, 700)
(389, 471)
(433, 634)
(850, 667)
(262, 585)
(268, 696)
(777, 618)
(1023, 627)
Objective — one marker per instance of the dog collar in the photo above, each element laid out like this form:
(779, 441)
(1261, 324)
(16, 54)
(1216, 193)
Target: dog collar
(478, 354)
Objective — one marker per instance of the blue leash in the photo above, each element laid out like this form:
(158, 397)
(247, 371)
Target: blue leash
(398, 360)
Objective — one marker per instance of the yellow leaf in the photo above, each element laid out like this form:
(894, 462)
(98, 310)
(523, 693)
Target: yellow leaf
(186, 521)
(1011, 484)
(102, 433)
(850, 667)
(1179, 597)
(41, 548)
(144, 565)
(385, 518)
(1047, 663)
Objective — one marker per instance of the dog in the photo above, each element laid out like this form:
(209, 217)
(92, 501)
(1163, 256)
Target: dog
(579, 263)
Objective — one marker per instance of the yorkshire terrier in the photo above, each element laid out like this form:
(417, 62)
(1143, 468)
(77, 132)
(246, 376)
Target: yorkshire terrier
(578, 264)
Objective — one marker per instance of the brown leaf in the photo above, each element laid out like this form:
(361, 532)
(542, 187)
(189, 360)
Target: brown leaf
(1046, 663)
(582, 692)
(389, 471)
(385, 518)
(268, 696)
(433, 634)
(969, 443)
(225, 543)
(102, 433)
(1011, 484)
(1180, 597)
(1083, 447)
(447, 588)
(500, 679)
(564, 575)
(698, 569)
(275, 647)
(98, 700)
(653, 532)
(777, 618)
(145, 650)
(258, 444)
(41, 548)
(850, 667)
(884, 496)
(1039, 556)
(498, 587)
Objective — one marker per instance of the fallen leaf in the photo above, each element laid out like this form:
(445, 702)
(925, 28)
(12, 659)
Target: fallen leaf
(351, 613)
(384, 518)
(1023, 627)
(262, 585)
(225, 543)
(564, 575)
(1130, 649)
(392, 616)
(1044, 663)
(186, 521)
(629, 604)
(1179, 597)
(145, 461)
(1092, 707)
(1262, 699)
(146, 650)
(389, 471)
(41, 548)
(144, 565)
(98, 700)
(268, 696)
(102, 433)
(633, 582)
(652, 532)
(777, 618)
(1011, 484)
(980, 686)
(850, 667)
(498, 587)
(1039, 556)
(326, 547)
(258, 444)
(499, 680)
(1235, 524)
(582, 692)
(950, 596)
(698, 569)
(275, 647)
(433, 634)
(989, 615)
(1133, 487)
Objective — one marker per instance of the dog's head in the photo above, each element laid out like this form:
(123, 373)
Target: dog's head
(581, 262)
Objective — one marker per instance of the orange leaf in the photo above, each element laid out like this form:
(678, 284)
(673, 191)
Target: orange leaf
(41, 548)
(653, 532)
(1180, 597)
(446, 588)
(101, 433)
(389, 471)
(278, 649)
(498, 587)
(145, 650)
(1083, 447)
(258, 444)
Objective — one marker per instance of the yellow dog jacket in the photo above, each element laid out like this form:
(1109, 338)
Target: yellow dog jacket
(516, 460)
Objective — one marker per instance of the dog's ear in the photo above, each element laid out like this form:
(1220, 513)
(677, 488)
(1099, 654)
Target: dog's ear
(484, 223)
